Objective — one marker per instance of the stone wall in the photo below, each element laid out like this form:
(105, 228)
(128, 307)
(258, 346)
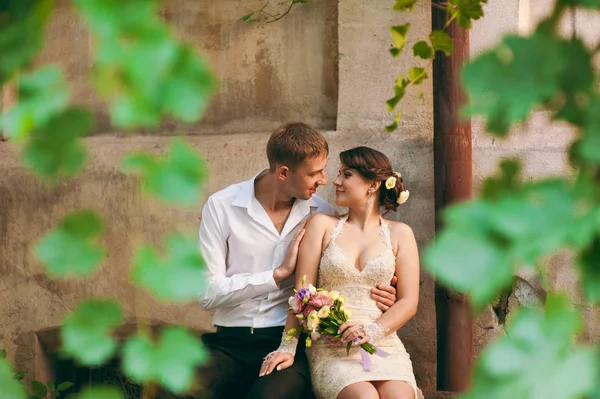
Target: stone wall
(327, 63)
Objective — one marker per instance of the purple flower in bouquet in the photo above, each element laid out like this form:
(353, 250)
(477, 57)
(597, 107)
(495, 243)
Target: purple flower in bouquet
(303, 293)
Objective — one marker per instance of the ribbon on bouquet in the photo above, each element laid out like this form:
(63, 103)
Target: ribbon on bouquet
(365, 357)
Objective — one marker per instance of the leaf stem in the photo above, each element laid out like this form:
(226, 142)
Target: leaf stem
(292, 4)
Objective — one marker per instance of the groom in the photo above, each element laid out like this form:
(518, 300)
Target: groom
(249, 237)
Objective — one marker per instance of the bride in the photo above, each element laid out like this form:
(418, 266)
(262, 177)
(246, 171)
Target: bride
(351, 254)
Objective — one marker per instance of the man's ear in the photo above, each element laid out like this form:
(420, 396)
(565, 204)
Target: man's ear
(283, 172)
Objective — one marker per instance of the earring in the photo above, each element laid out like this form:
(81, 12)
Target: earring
(369, 199)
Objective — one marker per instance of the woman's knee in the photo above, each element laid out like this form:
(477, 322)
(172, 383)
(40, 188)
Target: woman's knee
(395, 390)
(359, 390)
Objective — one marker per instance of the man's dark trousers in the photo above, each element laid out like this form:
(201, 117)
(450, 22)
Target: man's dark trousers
(236, 354)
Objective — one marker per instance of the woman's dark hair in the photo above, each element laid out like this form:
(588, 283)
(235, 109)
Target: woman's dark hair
(374, 165)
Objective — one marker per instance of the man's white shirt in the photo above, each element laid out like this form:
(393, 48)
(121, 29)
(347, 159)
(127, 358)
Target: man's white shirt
(241, 248)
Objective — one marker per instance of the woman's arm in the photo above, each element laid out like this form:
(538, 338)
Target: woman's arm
(309, 256)
(407, 270)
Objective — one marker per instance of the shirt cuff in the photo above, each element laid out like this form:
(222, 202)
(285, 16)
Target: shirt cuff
(263, 282)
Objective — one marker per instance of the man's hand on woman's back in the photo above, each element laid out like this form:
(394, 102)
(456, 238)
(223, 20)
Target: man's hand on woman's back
(385, 295)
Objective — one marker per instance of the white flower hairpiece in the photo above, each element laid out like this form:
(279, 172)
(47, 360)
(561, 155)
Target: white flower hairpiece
(398, 175)
(390, 182)
(403, 197)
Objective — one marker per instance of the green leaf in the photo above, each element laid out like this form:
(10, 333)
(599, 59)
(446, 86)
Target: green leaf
(86, 333)
(467, 11)
(470, 262)
(126, 37)
(506, 83)
(399, 33)
(589, 270)
(180, 276)
(587, 147)
(56, 149)
(536, 359)
(172, 361)
(392, 102)
(177, 179)
(9, 387)
(21, 33)
(247, 16)
(417, 75)
(101, 393)
(392, 127)
(576, 82)
(43, 95)
(405, 5)
(63, 386)
(51, 386)
(39, 389)
(440, 40)
(422, 49)
(485, 240)
(72, 248)
(593, 4)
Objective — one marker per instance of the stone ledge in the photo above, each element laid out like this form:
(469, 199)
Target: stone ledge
(437, 395)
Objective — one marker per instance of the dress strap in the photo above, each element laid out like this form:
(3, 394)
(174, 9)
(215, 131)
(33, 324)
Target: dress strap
(338, 227)
(385, 230)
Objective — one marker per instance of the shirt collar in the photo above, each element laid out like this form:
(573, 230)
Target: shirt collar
(246, 199)
(246, 196)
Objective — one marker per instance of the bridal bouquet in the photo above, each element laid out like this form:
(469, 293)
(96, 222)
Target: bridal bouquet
(321, 313)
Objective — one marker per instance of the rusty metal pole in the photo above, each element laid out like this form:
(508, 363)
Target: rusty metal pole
(453, 183)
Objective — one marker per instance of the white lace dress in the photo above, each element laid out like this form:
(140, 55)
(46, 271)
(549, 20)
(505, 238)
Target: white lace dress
(331, 370)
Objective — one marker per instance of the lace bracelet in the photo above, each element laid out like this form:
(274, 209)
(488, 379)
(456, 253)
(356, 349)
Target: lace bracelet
(376, 331)
(287, 345)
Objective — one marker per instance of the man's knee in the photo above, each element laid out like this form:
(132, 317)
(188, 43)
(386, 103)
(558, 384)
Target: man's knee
(286, 384)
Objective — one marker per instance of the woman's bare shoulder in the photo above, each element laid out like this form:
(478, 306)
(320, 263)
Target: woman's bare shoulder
(321, 221)
(401, 231)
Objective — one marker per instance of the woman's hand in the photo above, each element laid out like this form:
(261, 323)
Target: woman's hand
(352, 330)
(278, 360)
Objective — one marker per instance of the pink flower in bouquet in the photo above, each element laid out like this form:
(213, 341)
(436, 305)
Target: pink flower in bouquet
(320, 300)
(308, 309)
(296, 304)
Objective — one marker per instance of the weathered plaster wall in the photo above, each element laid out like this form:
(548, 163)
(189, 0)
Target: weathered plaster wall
(328, 64)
